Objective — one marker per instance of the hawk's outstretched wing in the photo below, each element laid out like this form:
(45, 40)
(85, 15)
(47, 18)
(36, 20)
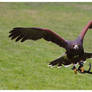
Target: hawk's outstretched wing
(85, 29)
(37, 33)
(63, 60)
(88, 55)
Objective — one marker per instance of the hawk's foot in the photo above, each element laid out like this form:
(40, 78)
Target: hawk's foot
(82, 69)
(74, 69)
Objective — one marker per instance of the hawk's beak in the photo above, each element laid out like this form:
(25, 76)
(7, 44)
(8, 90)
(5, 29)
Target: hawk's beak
(76, 47)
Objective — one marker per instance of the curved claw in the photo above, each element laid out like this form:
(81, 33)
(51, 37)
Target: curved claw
(74, 69)
(87, 71)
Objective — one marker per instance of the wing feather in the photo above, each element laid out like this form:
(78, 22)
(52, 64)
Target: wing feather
(85, 29)
(34, 33)
(63, 60)
(88, 55)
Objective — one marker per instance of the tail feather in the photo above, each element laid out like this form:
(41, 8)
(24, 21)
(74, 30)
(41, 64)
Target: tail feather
(55, 62)
(63, 60)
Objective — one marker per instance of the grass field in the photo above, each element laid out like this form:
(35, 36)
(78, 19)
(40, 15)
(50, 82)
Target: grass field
(25, 65)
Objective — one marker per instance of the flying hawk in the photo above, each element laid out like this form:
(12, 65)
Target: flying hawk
(74, 54)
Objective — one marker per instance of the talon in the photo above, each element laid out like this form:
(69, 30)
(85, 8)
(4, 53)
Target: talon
(82, 69)
(75, 71)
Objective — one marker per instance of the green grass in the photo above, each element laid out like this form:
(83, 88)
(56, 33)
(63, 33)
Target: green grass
(24, 65)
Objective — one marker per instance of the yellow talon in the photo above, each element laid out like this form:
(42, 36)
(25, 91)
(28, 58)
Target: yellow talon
(82, 69)
(75, 71)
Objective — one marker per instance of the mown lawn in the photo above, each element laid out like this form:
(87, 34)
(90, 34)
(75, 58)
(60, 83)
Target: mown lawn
(25, 65)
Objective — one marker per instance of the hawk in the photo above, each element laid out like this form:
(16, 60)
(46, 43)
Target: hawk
(74, 54)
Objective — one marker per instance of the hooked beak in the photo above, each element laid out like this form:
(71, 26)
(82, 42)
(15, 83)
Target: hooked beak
(76, 47)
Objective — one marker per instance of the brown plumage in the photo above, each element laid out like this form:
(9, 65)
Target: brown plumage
(74, 49)
(35, 34)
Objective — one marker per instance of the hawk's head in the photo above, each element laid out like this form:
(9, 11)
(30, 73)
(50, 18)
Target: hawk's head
(75, 46)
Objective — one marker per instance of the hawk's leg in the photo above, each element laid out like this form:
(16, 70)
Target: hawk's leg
(84, 71)
(81, 68)
(74, 69)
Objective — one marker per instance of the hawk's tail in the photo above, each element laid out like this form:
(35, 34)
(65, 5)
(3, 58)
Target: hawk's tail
(63, 60)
